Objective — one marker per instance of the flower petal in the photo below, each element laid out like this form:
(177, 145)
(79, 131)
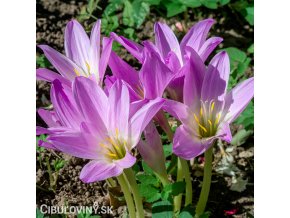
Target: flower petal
(134, 48)
(142, 117)
(106, 51)
(127, 161)
(166, 41)
(91, 101)
(76, 144)
(61, 63)
(196, 35)
(238, 99)
(194, 76)
(177, 109)
(49, 117)
(119, 102)
(64, 106)
(48, 76)
(225, 132)
(77, 44)
(95, 41)
(208, 46)
(216, 78)
(155, 76)
(152, 150)
(123, 71)
(98, 170)
(187, 146)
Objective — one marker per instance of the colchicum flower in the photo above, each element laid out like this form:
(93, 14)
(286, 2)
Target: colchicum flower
(83, 55)
(86, 123)
(171, 53)
(208, 108)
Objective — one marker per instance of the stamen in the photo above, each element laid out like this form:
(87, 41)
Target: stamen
(202, 127)
(117, 132)
(112, 154)
(196, 119)
(212, 106)
(217, 119)
(201, 112)
(77, 72)
(88, 66)
(210, 123)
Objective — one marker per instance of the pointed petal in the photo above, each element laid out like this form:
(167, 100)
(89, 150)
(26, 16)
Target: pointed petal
(178, 110)
(61, 63)
(152, 150)
(134, 48)
(208, 46)
(187, 146)
(155, 76)
(98, 170)
(106, 51)
(64, 106)
(216, 79)
(77, 44)
(76, 144)
(123, 71)
(95, 41)
(92, 102)
(48, 76)
(238, 99)
(225, 132)
(127, 161)
(175, 89)
(194, 76)
(142, 117)
(119, 102)
(196, 35)
(49, 117)
(166, 41)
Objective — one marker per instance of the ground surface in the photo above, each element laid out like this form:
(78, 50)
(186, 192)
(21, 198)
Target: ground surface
(52, 16)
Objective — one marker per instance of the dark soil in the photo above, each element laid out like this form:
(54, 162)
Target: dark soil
(52, 16)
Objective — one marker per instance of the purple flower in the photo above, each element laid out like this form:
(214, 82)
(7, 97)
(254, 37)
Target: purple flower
(87, 123)
(208, 108)
(83, 55)
(171, 53)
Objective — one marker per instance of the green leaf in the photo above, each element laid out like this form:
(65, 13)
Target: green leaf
(113, 7)
(235, 54)
(128, 18)
(162, 209)
(247, 117)
(153, 2)
(147, 179)
(224, 2)
(39, 214)
(251, 49)
(167, 150)
(250, 15)
(149, 192)
(212, 4)
(174, 8)
(191, 3)
(171, 190)
(240, 137)
(140, 11)
(147, 169)
(187, 212)
(41, 61)
(109, 24)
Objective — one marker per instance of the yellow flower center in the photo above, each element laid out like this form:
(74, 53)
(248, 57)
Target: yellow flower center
(207, 120)
(114, 146)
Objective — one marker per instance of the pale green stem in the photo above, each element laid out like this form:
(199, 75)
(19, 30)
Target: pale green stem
(135, 191)
(163, 178)
(127, 195)
(178, 198)
(188, 187)
(206, 183)
(111, 182)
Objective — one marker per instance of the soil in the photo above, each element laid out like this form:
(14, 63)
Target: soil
(52, 16)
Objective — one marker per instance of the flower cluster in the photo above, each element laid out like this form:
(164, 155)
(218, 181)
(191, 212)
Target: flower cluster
(101, 117)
